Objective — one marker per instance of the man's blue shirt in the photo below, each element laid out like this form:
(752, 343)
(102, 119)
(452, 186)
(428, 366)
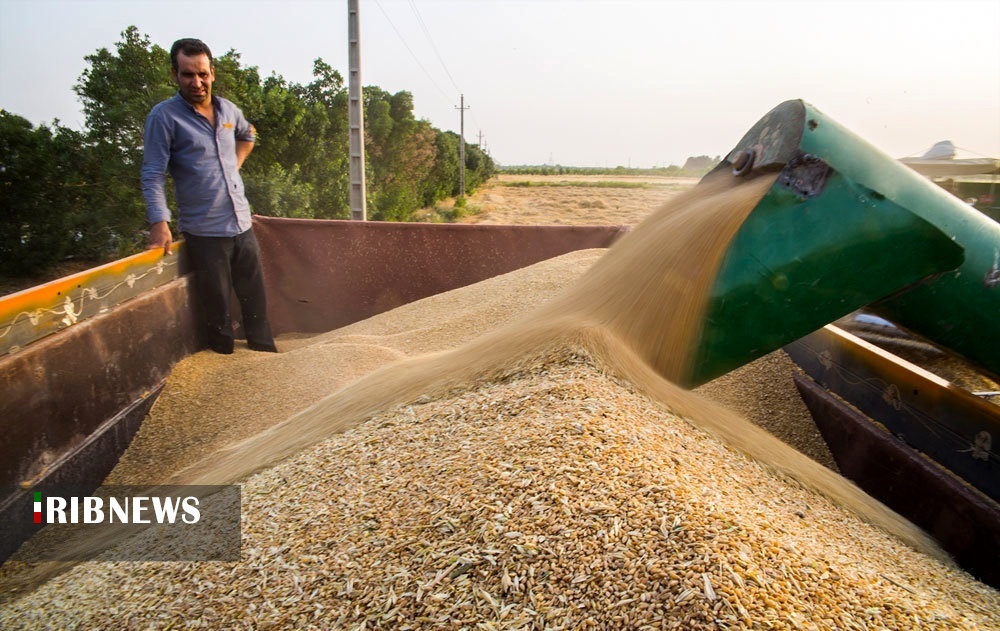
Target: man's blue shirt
(202, 161)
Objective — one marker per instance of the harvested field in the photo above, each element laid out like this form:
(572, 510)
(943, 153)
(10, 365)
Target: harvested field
(572, 199)
(537, 470)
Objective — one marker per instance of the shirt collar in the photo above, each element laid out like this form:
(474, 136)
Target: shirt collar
(215, 101)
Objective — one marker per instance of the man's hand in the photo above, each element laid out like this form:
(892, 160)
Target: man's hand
(160, 237)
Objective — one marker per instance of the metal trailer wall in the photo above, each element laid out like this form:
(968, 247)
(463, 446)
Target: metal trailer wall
(322, 275)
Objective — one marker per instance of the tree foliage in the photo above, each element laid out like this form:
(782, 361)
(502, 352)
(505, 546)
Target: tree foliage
(40, 176)
(65, 193)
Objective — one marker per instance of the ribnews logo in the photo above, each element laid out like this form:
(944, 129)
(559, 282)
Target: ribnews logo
(98, 510)
(122, 523)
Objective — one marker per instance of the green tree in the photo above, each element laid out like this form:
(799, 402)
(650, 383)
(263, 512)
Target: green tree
(67, 193)
(117, 91)
(443, 180)
(301, 147)
(41, 180)
(281, 193)
(239, 84)
(119, 88)
(479, 167)
(401, 153)
(326, 132)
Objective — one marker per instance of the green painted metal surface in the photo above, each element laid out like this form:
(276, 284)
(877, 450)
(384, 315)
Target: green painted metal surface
(797, 264)
(959, 310)
(843, 227)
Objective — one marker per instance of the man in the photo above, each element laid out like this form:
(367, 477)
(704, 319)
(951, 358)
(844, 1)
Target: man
(202, 140)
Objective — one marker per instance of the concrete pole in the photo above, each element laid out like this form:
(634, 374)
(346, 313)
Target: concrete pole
(355, 115)
(461, 149)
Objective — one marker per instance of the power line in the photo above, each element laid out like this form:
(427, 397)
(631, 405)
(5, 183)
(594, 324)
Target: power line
(434, 47)
(407, 46)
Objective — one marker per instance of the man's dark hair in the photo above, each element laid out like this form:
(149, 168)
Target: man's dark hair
(190, 47)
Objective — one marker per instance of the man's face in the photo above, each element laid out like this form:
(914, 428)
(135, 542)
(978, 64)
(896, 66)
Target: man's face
(194, 77)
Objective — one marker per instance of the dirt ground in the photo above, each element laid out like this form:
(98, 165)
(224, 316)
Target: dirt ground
(572, 199)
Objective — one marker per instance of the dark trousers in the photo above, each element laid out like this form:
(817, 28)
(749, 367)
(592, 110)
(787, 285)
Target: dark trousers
(223, 265)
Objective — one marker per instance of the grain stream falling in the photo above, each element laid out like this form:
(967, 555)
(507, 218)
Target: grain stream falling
(546, 474)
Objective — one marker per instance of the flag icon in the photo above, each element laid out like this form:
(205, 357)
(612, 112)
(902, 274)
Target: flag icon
(38, 507)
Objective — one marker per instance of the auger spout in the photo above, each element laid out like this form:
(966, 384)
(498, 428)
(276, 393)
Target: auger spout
(845, 226)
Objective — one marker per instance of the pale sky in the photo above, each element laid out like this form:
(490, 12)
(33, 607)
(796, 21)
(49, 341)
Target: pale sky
(583, 82)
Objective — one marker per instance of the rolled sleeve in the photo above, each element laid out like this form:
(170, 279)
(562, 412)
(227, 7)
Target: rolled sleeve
(155, 160)
(245, 132)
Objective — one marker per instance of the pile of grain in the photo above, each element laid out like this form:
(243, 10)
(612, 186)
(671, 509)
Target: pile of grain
(764, 392)
(213, 400)
(543, 475)
(554, 496)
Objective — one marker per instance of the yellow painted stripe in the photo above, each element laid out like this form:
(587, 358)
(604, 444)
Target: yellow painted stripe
(47, 295)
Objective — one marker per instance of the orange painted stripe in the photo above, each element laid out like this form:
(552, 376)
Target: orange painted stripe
(52, 293)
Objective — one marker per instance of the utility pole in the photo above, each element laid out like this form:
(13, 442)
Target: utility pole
(482, 144)
(355, 117)
(461, 149)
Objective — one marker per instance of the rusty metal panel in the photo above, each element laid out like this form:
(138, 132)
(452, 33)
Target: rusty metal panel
(322, 274)
(58, 392)
(921, 410)
(30, 315)
(964, 521)
(84, 467)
